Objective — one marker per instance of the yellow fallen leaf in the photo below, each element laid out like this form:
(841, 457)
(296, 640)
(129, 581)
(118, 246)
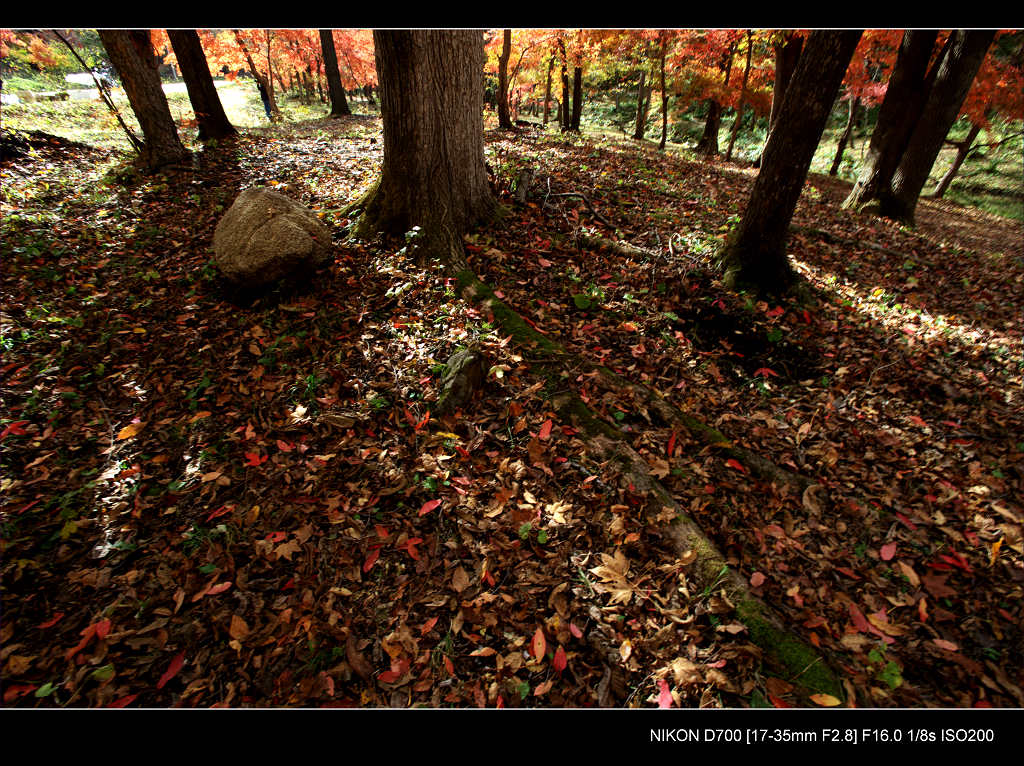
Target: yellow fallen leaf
(130, 430)
(825, 700)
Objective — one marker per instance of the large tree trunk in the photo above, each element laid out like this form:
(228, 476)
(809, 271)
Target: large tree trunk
(577, 98)
(787, 55)
(131, 53)
(504, 119)
(956, 73)
(434, 176)
(904, 97)
(339, 104)
(212, 121)
(963, 148)
(756, 253)
(708, 144)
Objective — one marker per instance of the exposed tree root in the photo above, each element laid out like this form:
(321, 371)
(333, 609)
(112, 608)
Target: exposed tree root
(783, 651)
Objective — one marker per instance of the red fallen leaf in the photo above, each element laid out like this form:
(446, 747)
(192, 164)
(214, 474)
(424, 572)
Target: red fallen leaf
(500, 703)
(222, 511)
(765, 372)
(428, 625)
(757, 579)
(87, 636)
(775, 312)
(664, 695)
(860, 622)
(777, 702)
(888, 551)
(575, 630)
(906, 522)
(276, 537)
(429, 506)
(14, 429)
(560, 661)
(26, 507)
(172, 670)
(671, 445)
(15, 691)
(398, 669)
(284, 446)
(409, 416)
(410, 547)
(371, 559)
(736, 464)
(848, 572)
(545, 429)
(957, 560)
(382, 531)
(219, 588)
(539, 644)
(543, 262)
(254, 459)
(462, 452)
(426, 419)
(917, 421)
(102, 629)
(449, 666)
(51, 622)
(123, 701)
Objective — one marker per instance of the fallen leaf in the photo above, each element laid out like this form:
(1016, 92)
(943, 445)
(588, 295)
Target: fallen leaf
(172, 670)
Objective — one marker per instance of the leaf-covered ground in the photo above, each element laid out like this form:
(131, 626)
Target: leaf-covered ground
(218, 499)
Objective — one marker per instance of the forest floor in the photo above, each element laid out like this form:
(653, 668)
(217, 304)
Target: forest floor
(215, 499)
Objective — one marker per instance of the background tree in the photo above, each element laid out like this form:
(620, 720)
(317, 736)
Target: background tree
(434, 176)
(212, 122)
(339, 104)
(756, 253)
(131, 53)
(504, 121)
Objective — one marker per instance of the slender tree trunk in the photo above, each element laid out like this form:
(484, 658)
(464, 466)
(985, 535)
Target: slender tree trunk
(756, 253)
(664, 95)
(212, 121)
(904, 97)
(954, 78)
(564, 107)
(708, 144)
(743, 97)
(259, 76)
(131, 53)
(339, 104)
(434, 176)
(963, 148)
(851, 117)
(547, 89)
(504, 120)
(642, 104)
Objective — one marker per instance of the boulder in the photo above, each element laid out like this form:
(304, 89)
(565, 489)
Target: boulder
(265, 236)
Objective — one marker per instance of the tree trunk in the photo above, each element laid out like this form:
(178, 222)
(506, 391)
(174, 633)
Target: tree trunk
(756, 253)
(131, 53)
(847, 131)
(563, 112)
(962, 150)
(956, 73)
(901, 107)
(708, 144)
(743, 96)
(504, 120)
(339, 104)
(434, 176)
(547, 89)
(212, 121)
(665, 97)
(577, 98)
(787, 55)
(643, 102)
(261, 80)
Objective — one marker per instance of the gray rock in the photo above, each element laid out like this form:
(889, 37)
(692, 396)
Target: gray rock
(464, 375)
(266, 236)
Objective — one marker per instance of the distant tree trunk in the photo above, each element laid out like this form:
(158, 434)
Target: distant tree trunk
(563, 112)
(963, 148)
(708, 144)
(664, 95)
(851, 116)
(743, 96)
(131, 53)
(547, 89)
(756, 253)
(504, 119)
(434, 175)
(577, 98)
(955, 75)
(904, 97)
(339, 104)
(202, 93)
(643, 101)
(261, 80)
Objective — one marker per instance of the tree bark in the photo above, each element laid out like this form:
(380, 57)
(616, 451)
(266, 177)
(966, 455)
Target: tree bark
(264, 81)
(743, 95)
(577, 98)
(708, 144)
(955, 75)
(904, 97)
(547, 89)
(787, 55)
(845, 137)
(643, 101)
(756, 253)
(664, 94)
(339, 104)
(963, 148)
(202, 93)
(131, 53)
(504, 119)
(433, 176)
